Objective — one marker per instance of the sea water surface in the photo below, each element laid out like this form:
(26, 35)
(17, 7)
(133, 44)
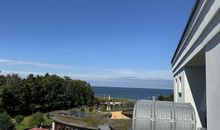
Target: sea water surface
(130, 93)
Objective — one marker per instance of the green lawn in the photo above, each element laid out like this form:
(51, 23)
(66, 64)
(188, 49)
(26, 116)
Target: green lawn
(121, 124)
(93, 119)
(47, 120)
(25, 124)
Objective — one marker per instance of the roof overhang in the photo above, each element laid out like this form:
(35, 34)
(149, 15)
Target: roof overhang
(184, 32)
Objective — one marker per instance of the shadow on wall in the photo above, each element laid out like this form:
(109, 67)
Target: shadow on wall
(197, 81)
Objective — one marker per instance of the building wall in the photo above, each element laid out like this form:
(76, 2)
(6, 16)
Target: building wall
(203, 29)
(192, 91)
(179, 87)
(213, 83)
(195, 89)
(202, 33)
(175, 94)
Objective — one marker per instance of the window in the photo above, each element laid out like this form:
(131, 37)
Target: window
(180, 87)
(176, 84)
(176, 88)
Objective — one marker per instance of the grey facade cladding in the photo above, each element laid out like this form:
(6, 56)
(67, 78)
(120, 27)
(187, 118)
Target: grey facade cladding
(196, 64)
(213, 84)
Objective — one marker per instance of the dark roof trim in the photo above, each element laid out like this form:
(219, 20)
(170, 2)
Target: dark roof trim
(186, 27)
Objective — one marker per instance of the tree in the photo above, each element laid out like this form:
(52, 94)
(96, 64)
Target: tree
(22, 96)
(165, 98)
(160, 98)
(5, 122)
(2, 80)
(19, 118)
(11, 94)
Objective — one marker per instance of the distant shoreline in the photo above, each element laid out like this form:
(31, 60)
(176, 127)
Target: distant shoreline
(132, 87)
(129, 93)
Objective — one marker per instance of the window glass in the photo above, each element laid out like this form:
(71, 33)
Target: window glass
(180, 87)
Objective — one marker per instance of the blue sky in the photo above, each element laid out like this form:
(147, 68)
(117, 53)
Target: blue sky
(121, 43)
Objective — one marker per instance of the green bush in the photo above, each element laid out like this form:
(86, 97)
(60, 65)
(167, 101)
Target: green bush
(165, 98)
(36, 119)
(5, 122)
(19, 118)
(82, 109)
(109, 115)
(90, 109)
(103, 107)
(161, 98)
(48, 115)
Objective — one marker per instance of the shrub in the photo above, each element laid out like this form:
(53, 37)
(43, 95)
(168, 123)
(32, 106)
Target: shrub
(37, 119)
(19, 118)
(103, 107)
(90, 109)
(48, 115)
(108, 115)
(161, 98)
(5, 122)
(82, 109)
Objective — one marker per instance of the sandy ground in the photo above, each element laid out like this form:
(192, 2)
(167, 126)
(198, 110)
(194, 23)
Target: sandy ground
(118, 115)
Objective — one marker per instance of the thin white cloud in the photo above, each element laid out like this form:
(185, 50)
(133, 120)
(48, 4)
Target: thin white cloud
(117, 78)
(100, 77)
(94, 73)
(46, 65)
(106, 75)
(21, 73)
(140, 74)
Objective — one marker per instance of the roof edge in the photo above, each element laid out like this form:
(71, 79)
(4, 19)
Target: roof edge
(185, 29)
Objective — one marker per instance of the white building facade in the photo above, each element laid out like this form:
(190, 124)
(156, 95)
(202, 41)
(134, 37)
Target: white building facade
(196, 64)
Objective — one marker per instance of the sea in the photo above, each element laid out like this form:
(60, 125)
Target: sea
(130, 93)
